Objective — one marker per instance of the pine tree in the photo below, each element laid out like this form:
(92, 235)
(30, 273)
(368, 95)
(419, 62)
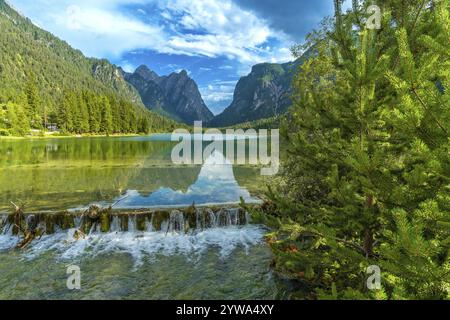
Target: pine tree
(366, 180)
(65, 113)
(93, 106)
(83, 115)
(144, 125)
(106, 124)
(34, 107)
(17, 122)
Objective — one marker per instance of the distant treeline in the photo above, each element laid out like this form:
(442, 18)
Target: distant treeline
(78, 112)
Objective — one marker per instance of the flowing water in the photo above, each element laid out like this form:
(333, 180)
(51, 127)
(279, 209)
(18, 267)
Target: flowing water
(214, 255)
(222, 261)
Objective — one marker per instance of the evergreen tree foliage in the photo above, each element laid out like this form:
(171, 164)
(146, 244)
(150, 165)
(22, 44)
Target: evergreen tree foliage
(13, 120)
(366, 179)
(33, 106)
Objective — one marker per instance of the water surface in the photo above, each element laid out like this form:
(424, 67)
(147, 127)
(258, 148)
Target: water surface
(222, 262)
(56, 174)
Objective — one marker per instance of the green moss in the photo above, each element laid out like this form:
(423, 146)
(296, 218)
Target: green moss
(190, 216)
(86, 225)
(141, 222)
(105, 221)
(50, 224)
(158, 218)
(68, 221)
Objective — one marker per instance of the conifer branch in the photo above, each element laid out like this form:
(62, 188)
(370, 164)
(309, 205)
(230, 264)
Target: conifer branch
(417, 16)
(413, 89)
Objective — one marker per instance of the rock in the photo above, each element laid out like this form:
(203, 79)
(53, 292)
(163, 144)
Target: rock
(175, 95)
(264, 93)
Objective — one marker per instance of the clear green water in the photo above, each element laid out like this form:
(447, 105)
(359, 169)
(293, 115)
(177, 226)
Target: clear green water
(55, 174)
(243, 273)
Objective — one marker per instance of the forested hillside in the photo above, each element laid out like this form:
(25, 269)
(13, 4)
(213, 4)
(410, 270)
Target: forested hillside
(366, 181)
(44, 81)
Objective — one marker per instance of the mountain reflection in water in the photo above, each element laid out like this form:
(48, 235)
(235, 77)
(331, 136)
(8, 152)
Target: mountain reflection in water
(61, 173)
(216, 184)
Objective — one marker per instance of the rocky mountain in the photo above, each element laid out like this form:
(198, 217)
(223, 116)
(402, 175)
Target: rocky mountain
(264, 93)
(112, 76)
(175, 95)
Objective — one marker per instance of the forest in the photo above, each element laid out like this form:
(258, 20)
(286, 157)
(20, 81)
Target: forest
(77, 113)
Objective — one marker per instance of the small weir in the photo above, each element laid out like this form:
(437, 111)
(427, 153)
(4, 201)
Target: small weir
(189, 232)
(105, 220)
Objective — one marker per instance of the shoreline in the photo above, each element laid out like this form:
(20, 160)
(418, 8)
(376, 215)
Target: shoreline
(138, 210)
(50, 136)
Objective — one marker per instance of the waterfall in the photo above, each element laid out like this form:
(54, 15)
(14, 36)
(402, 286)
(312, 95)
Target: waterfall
(4, 226)
(176, 221)
(78, 221)
(185, 231)
(212, 219)
(115, 224)
(132, 224)
(149, 224)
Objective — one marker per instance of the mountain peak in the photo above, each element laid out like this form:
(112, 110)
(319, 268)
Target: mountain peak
(142, 68)
(146, 73)
(265, 92)
(175, 95)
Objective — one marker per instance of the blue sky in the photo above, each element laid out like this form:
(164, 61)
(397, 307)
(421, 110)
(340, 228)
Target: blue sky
(216, 41)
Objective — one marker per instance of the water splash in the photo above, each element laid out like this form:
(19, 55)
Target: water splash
(222, 230)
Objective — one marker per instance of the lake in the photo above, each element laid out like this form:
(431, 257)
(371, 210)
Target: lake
(58, 174)
(222, 260)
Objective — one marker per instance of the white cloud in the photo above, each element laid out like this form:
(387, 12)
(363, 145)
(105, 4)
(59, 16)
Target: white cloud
(227, 30)
(210, 28)
(218, 95)
(128, 67)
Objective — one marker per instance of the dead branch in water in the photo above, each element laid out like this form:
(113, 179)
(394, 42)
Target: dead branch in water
(16, 219)
(31, 229)
(92, 217)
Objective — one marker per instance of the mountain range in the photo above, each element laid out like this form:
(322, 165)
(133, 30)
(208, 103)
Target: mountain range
(27, 49)
(264, 93)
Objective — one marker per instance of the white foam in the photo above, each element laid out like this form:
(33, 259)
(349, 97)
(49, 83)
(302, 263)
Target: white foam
(141, 244)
